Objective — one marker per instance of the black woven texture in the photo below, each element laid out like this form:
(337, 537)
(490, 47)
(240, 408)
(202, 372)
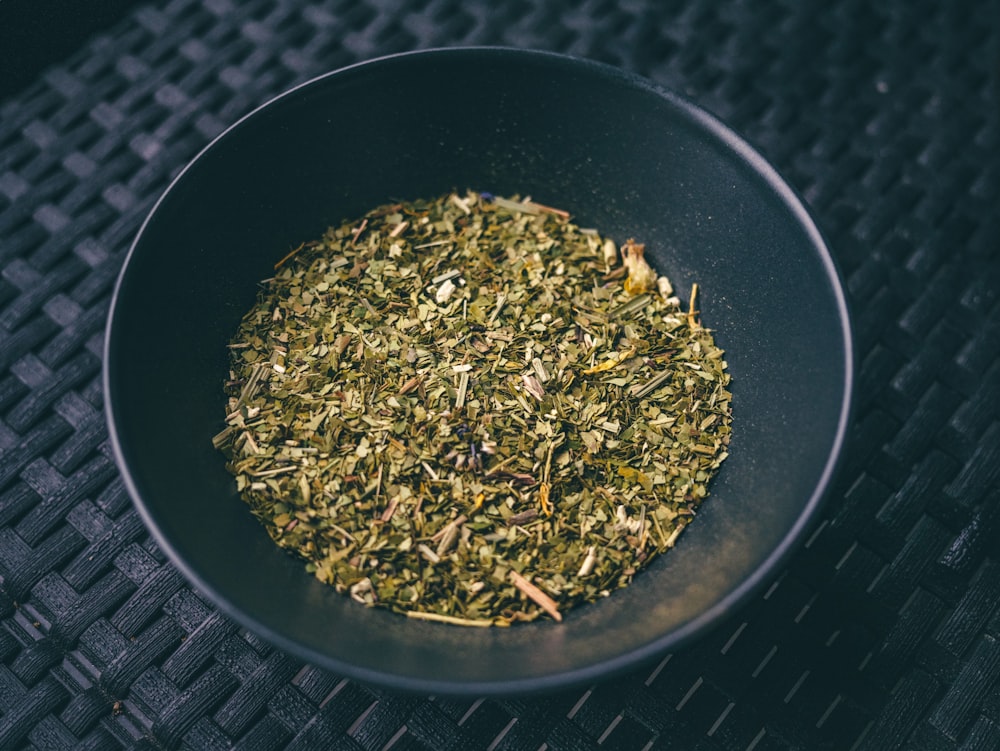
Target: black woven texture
(883, 632)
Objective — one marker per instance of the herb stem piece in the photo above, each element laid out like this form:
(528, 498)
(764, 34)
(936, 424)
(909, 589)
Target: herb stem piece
(536, 595)
(418, 615)
(588, 563)
(692, 314)
(291, 254)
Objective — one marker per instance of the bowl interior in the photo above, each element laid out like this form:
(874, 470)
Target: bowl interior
(620, 155)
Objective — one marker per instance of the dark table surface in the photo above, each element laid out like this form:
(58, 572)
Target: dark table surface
(882, 632)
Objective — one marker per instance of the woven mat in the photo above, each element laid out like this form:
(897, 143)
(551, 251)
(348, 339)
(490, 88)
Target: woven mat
(882, 633)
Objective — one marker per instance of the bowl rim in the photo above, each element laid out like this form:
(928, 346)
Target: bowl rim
(683, 635)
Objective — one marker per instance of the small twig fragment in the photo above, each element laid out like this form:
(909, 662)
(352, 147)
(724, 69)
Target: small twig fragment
(418, 615)
(289, 257)
(536, 595)
(588, 562)
(692, 314)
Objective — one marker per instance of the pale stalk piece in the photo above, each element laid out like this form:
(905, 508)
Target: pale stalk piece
(454, 524)
(610, 252)
(463, 388)
(359, 230)
(536, 595)
(249, 389)
(524, 207)
(532, 386)
(549, 210)
(430, 471)
(672, 538)
(398, 229)
(446, 276)
(664, 287)
(418, 615)
(615, 274)
(427, 553)
(546, 473)
(545, 487)
(501, 465)
(588, 562)
(389, 510)
(411, 384)
(358, 590)
(704, 450)
(501, 299)
(460, 203)
(640, 390)
(523, 402)
(449, 536)
(634, 305)
(250, 442)
(341, 530)
(273, 472)
(539, 368)
(692, 311)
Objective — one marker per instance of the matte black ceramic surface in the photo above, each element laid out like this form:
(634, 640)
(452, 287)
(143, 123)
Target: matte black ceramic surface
(621, 155)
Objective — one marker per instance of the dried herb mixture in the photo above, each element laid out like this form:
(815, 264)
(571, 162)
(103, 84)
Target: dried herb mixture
(470, 410)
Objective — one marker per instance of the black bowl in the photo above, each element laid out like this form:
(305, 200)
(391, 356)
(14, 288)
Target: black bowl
(620, 154)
